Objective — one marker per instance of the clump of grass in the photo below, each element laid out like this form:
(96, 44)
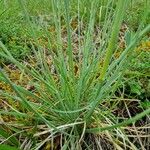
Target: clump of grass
(69, 90)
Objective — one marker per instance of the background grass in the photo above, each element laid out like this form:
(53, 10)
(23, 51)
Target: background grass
(15, 31)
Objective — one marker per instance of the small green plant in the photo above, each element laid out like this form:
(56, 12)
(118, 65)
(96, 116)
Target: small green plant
(69, 96)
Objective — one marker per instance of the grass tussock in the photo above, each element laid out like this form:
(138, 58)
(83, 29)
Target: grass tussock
(64, 95)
